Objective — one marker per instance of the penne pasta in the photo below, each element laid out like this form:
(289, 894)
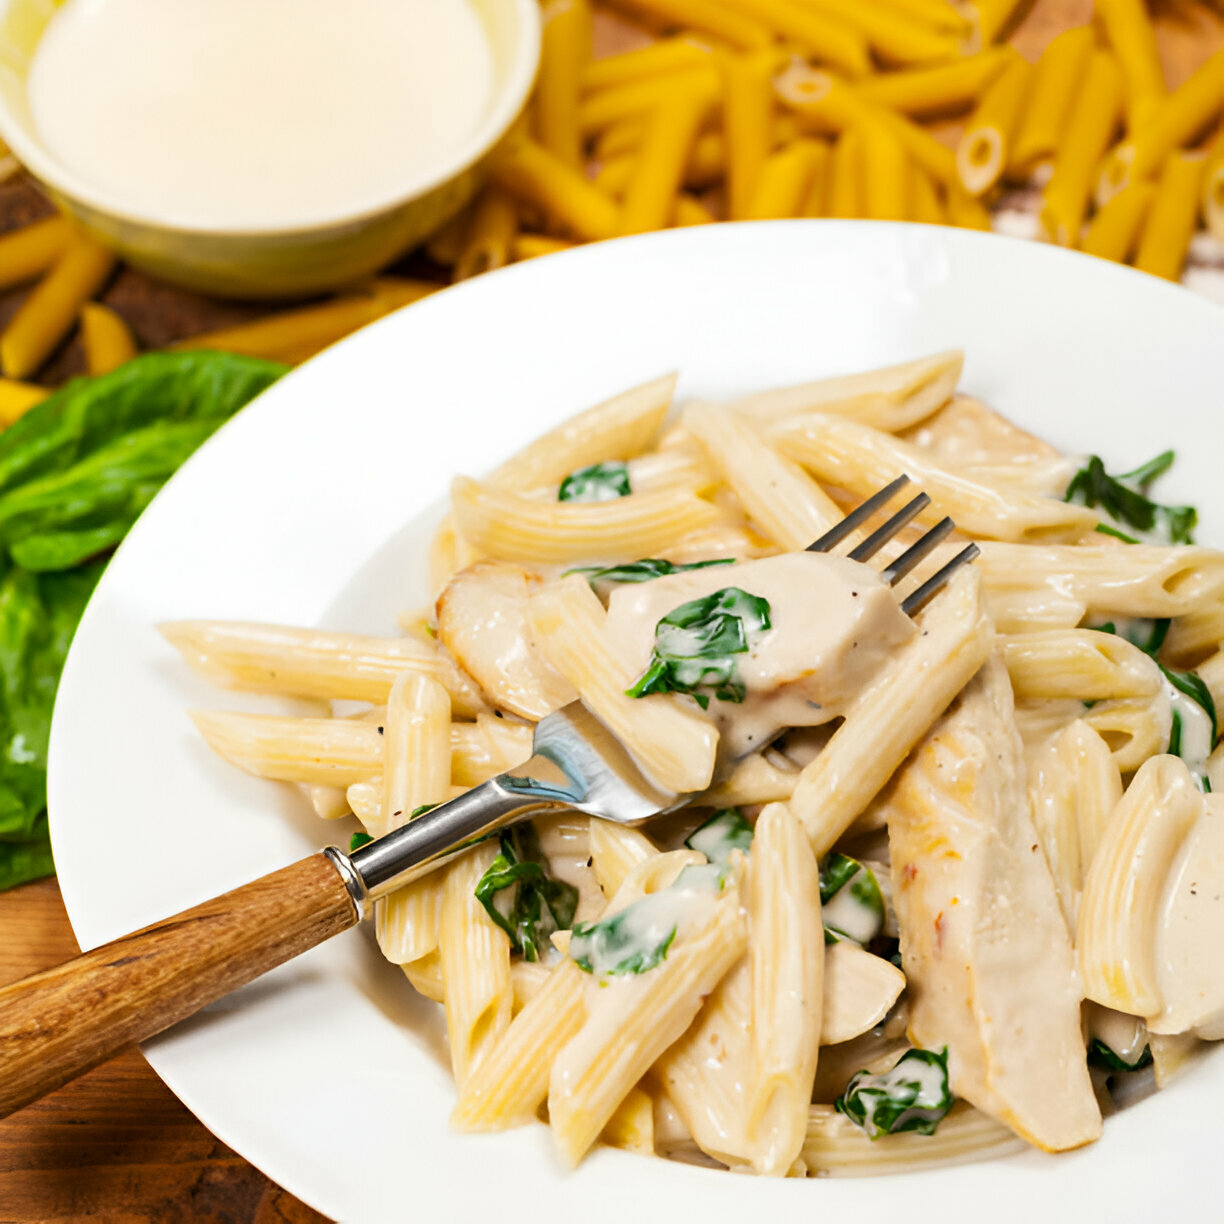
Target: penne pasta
(1115, 230)
(748, 124)
(664, 56)
(985, 146)
(788, 181)
(845, 195)
(724, 23)
(615, 852)
(786, 966)
(892, 715)
(888, 175)
(637, 100)
(1129, 32)
(17, 398)
(31, 250)
(890, 33)
(51, 309)
(1213, 190)
(944, 89)
(861, 459)
(107, 340)
(490, 237)
(1056, 84)
(1172, 217)
(790, 507)
(1089, 131)
(823, 35)
(995, 19)
(564, 51)
(1078, 663)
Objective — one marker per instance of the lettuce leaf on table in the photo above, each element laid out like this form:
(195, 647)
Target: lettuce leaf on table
(75, 473)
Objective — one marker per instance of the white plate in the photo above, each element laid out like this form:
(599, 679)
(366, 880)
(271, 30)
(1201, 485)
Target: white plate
(326, 1074)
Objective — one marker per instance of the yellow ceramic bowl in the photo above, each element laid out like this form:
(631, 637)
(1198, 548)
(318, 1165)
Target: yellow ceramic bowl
(271, 261)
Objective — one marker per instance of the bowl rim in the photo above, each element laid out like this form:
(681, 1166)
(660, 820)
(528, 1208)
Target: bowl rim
(506, 106)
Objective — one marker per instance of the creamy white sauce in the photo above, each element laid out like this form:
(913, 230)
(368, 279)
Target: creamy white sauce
(833, 623)
(256, 112)
(851, 916)
(1196, 739)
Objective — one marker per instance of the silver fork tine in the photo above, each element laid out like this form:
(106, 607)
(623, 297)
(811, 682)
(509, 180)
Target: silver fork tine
(916, 551)
(878, 538)
(937, 581)
(839, 531)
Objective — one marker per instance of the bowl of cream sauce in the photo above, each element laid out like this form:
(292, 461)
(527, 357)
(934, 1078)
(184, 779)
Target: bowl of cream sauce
(262, 148)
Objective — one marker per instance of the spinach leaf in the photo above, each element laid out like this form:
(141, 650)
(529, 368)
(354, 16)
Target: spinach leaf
(643, 570)
(695, 644)
(724, 832)
(1124, 499)
(852, 904)
(634, 940)
(77, 470)
(1100, 1055)
(358, 840)
(600, 482)
(521, 897)
(1147, 634)
(913, 1096)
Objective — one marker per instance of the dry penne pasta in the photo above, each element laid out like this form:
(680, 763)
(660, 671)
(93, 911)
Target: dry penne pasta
(32, 250)
(107, 339)
(1056, 84)
(942, 89)
(1129, 30)
(1170, 221)
(564, 52)
(748, 123)
(986, 143)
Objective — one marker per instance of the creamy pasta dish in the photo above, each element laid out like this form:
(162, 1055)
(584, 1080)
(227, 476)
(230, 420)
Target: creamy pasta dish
(947, 882)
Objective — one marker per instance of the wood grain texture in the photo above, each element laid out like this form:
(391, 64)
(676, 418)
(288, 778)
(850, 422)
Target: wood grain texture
(56, 1024)
(115, 1145)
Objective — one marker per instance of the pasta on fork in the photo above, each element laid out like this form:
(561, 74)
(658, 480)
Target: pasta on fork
(948, 869)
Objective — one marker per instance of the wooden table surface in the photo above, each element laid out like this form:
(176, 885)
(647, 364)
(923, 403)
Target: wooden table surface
(116, 1145)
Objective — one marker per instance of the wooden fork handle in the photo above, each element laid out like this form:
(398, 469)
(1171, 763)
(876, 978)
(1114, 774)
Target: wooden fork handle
(57, 1024)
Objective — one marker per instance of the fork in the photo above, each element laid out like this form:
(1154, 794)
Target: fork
(60, 1023)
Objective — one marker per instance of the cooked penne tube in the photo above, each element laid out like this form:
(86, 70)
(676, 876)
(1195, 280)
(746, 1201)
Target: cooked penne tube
(564, 52)
(512, 528)
(1129, 32)
(416, 773)
(33, 249)
(107, 340)
(674, 745)
(724, 23)
(618, 428)
(341, 751)
(1213, 190)
(945, 89)
(863, 459)
(1056, 84)
(825, 104)
(845, 194)
(755, 779)
(836, 1147)
(511, 1083)
(1135, 728)
(859, 991)
(1135, 580)
(631, 1127)
(890, 33)
(1173, 216)
(892, 398)
(1192, 638)
(790, 507)
(638, 99)
(817, 33)
(474, 954)
(1089, 131)
(615, 851)
(985, 146)
(786, 965)
(51, 309)
(654, 59)
(633, 1021)
(490, 236)
(17, 398)
(1078, 663)
(1173, 124)
(748, 123)
(888, 175)
(329, 802)
(312, 328)
(534, 176)
(1115, 230)
(1172, 1054)
(658, 170)
(890, 716)
(314, 662)
(1116, 933)
(787, 180)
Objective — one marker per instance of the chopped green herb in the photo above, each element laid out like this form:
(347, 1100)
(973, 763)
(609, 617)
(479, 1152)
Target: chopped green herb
(644, 570)
(724, 832)
(695, 645)
(852, 904)
(358, 840)
(1146, 633)
(637, 938)
(1100, 1055)
(521, 897)
(420, 811)
(913, 1096)
(600, 482)
(1124, 499)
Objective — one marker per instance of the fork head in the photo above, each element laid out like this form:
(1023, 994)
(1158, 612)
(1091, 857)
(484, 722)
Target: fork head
(912, 556)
